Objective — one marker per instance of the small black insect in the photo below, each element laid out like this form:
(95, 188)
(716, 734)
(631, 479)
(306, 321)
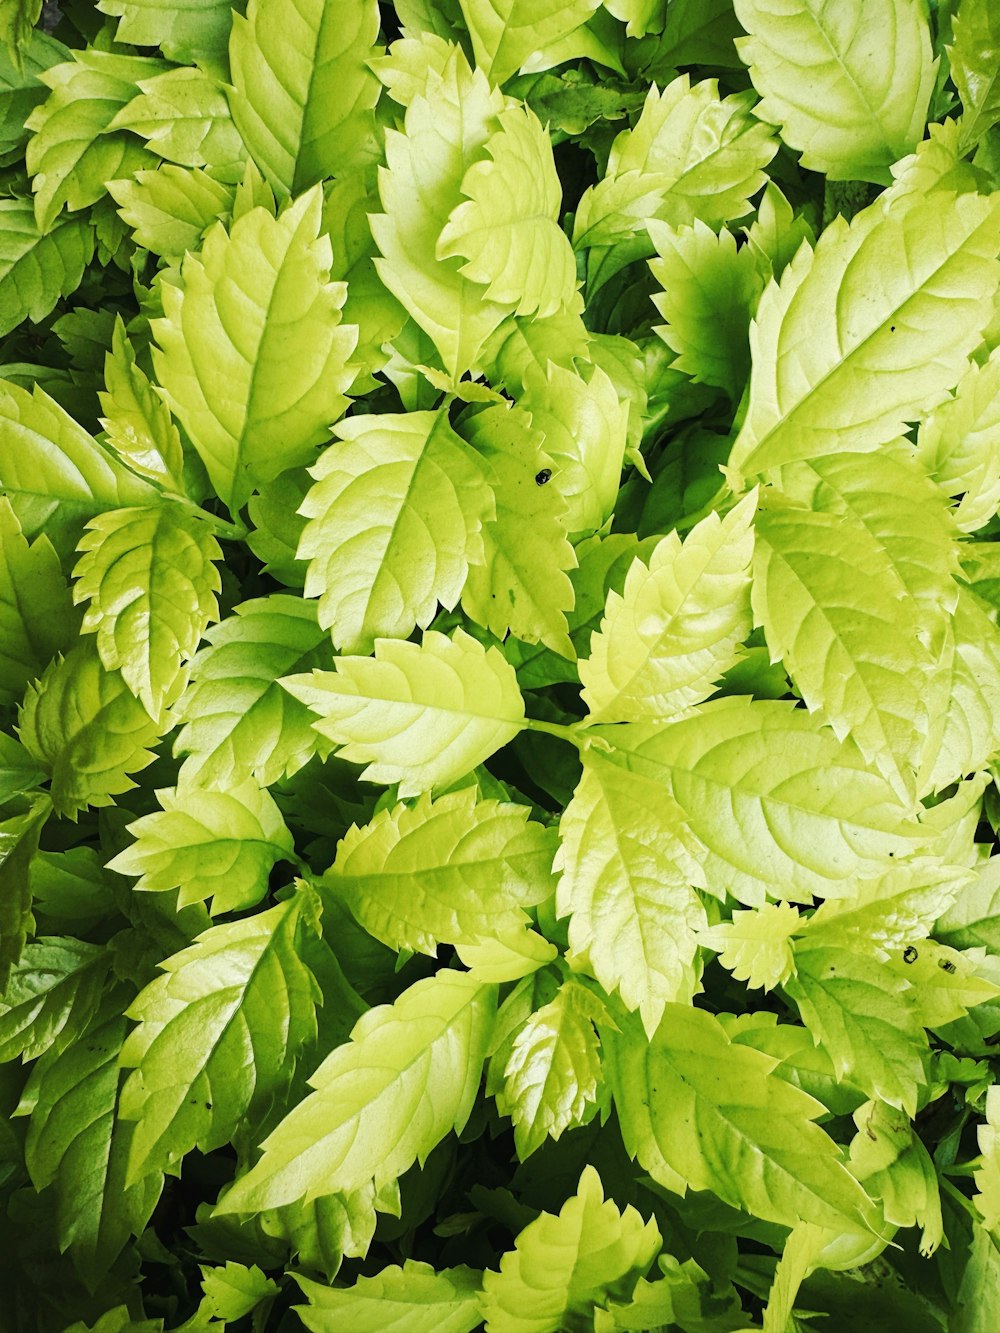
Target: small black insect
(910, 954)
(542, 477)
(946, 965)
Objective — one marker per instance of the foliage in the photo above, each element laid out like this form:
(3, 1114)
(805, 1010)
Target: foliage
(499, 666)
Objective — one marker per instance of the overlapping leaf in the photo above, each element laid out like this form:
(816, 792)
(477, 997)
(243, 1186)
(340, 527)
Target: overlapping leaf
(395, 517)
(38, 266)
(624, 858)
(252, 357)
(87, 729)
(523, 585)
(849, 84)
(51, 995)
(562, 1266)
(302, 95)
(702, 1112)
(218, 1034)
(421, 714)
(36, 608)
(434, 1037)
(412, 1298)
(780, 807)
(674, 630)
(184, 117)
(207, 843)
(237, 721)
(853, 342)
(451, 871)
(149, 576)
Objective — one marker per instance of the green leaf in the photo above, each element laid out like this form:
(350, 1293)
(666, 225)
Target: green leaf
(151, 582)
(19, 773)
(860, 1011)
(709, 292)
(852, 343)
(20, 88)
(183, 29)
(218, 844)
(184, 117)
(453, 871)
(890, 1160)
(218, 1035)
(975, 31)
(504, 35)
(233, 1291)
(847, 633)
(584, 426)
(692, 154)
(170, 208)
(17, 18)
(434, 1036)
(76, 1146)
(37, 619)
(421, 715)
(522, 586)
(395, 517)
(237, 720)
(138, 424)
(552, 1077)
(51, 995)
(508, 229)
(675, 629)
(959, 444)
(755, 946)
(625, 863)
(973, 920)
(444, 131)
(251, 354)
(849, 86)
(54, 473)
(987, 1177)
(19, 834)
(37, 267)
(71, 155)
(780, 807)
(562, 1266)
(303, 95)
(88, 730)
(408, 1299)
(701, 1112)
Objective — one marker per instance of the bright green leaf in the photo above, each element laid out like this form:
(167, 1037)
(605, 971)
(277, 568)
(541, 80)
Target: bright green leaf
(184, 117)
(207, 843)
(252, 356)
(237, 720)
(562, 1266)
(303, 96)
(168, 209)
(70, 155)
(218, 1034)
(504, 34)
(975, 31)
(138, 424)
(37, 267)
(852, 343)
(87, 728)
(408, 1299)
(703, 1113)
(523, 585)
(625, 863)
(421, 715)
(395, 517)
(450, 871)
(780, 818)
(754, 945)
(959, 444)
(183, 29)
(848, 84)
(433, 1037)
(151, 582)
(508, 230)
(675, 629)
